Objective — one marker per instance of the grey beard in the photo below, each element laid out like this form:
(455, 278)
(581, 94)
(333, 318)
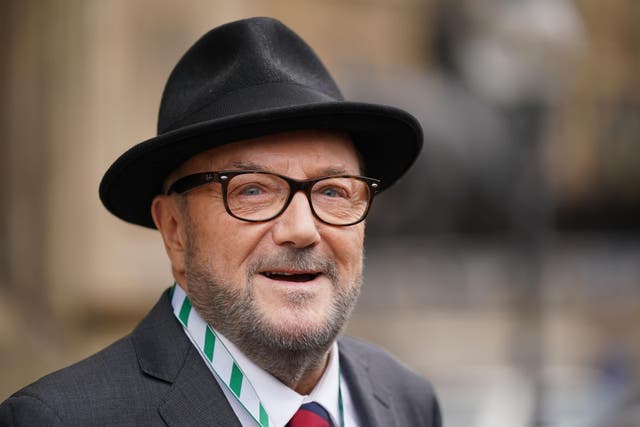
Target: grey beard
(287, 355)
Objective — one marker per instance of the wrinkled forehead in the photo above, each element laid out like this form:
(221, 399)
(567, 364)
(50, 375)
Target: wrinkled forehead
(309, 149)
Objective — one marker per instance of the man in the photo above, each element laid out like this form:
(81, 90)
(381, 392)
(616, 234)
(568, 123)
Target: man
(255, 182)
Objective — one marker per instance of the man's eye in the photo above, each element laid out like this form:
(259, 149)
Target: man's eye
(332, 192)
(251, 190)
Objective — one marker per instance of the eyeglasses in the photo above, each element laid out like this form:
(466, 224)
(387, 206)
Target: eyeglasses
(257, 196)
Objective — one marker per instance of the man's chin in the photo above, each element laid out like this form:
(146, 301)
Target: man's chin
(297, 333)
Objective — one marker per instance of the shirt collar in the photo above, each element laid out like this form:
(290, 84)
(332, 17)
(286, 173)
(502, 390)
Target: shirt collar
(281, 402)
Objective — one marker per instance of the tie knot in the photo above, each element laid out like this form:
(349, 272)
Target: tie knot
(310, 414)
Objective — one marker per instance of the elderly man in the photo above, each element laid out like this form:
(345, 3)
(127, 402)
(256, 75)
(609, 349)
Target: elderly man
(256, 184)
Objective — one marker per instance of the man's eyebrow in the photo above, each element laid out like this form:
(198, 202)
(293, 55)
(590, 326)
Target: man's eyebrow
(245, 165)
(252, 166)
(333, 170)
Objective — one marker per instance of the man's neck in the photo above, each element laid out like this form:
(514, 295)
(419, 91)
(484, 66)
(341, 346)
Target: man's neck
(310, 378)
(298, 370)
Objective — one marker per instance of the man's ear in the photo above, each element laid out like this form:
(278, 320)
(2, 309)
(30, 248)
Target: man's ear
(169, 220)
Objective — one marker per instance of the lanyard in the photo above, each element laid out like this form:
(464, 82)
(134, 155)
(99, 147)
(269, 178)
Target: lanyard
(222, 363)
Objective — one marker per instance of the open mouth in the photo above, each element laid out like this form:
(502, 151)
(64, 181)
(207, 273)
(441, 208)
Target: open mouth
(290, 277)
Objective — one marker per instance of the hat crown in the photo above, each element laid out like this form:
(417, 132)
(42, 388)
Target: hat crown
(238, 68)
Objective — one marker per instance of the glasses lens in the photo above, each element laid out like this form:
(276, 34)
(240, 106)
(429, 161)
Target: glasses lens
(256, 196)
(340, 201)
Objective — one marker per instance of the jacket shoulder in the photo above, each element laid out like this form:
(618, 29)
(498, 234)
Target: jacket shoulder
(26, 410)
(106, 385)
(110, 387)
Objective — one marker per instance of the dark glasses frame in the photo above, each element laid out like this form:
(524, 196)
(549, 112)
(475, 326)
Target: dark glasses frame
(190, 182)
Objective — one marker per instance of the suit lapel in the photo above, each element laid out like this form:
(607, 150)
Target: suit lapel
(195, 398)
(372, 400)
(164, 352)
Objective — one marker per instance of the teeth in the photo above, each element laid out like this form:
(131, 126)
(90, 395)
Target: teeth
(270, 274)
(295, 277)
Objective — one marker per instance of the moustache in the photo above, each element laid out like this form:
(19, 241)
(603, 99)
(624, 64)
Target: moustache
(292, 259)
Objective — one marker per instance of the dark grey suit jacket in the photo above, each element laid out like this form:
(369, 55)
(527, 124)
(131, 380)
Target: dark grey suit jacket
(155, 376)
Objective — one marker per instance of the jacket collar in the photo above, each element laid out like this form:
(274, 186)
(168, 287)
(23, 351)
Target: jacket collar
(372, 400)
(164, 352)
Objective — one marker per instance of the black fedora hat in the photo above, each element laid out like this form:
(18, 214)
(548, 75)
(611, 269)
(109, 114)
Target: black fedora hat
(246, 79)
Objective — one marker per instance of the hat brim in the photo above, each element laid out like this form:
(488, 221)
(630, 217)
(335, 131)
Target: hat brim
(389, 140)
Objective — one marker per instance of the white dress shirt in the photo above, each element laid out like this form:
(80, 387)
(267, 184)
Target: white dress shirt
(281, 402)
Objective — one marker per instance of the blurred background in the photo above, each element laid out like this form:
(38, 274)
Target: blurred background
(505, 267)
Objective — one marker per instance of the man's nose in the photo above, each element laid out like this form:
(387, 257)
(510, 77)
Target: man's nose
(297, 226)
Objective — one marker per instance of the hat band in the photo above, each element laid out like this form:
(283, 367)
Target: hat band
(251, 99)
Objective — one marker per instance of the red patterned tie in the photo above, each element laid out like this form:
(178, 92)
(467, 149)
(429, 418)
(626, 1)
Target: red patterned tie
(310, 415)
